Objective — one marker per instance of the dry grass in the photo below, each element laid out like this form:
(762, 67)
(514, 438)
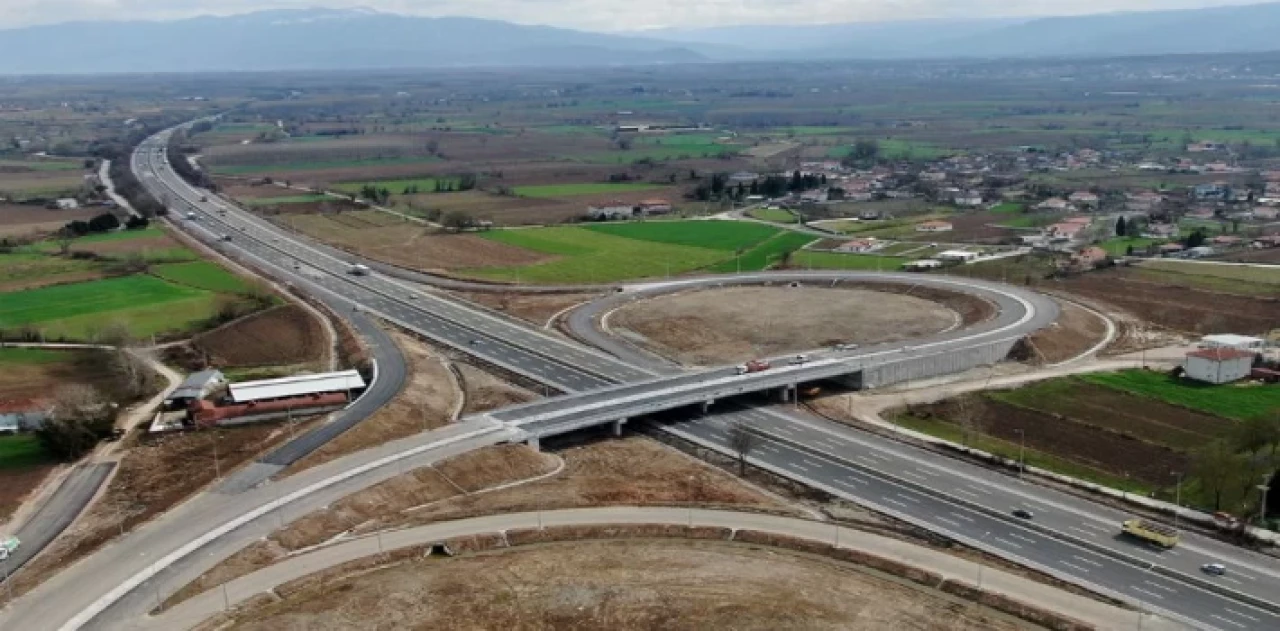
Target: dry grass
(282, 336)
(722, 326)
(152, 477)
(535, 309)
(667, 584)
(1076, 331)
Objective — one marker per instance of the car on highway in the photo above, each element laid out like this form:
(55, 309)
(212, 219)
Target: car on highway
(225, 237)
(475, 342)
(799, 360)
(1022, 513)
(8, 546)
(846, 347)
(204, 198)
(191, 216)
(1216, 569)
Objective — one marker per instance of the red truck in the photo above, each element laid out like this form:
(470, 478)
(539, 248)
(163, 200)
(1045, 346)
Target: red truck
(755, 365)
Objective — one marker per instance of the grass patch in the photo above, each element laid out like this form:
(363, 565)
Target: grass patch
(595, 256)
(1120, 245)
(1240, 402)
(833, 260)
(551, 191)
(202, 275)
(43, 165)
(30, 356)
(74, 310)
(397, 187)
(765, 255)
(773, 214)
(22, 451)
(106, 237)
(1233, 273)
(287, 199)
(314, 165)
(1008, 208)
(716, 235)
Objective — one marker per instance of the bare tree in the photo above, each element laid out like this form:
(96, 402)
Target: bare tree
(64, 240)
(965, 413)
(742, 441)
(81, 416)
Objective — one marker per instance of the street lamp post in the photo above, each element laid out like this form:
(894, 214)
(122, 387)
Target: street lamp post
(1022, 451)
(1177, 498)
(1262, 509)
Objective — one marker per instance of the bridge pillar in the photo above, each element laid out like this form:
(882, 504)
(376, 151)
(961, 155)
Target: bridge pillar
(533, 442)
(617, 426)
(783, 393)
(706, 406)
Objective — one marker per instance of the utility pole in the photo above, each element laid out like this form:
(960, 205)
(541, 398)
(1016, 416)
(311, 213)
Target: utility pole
(1022, 452)
(1177, 497)
(1262, 509)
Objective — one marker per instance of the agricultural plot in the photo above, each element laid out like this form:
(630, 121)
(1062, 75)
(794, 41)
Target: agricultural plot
(286, 199)
(400, 186)
(1230, 278)
(1120, 246)
(302, 166)
(612, 252)
(201, 275)
(1239, 402)
(806, 259)
(773, 252)
(552, 191)
(774, 215)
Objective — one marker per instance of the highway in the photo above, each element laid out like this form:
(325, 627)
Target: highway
(821, 455)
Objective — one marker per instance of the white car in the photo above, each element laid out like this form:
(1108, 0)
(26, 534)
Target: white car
(8, 546)
(799, 359)
(1216, 569)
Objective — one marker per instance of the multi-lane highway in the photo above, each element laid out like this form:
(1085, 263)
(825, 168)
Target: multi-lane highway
(1070, 538)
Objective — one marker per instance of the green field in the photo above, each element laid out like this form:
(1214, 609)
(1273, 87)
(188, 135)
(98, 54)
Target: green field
(314, 165)
(832, 260)
(774, 215)
(105, 237)
(148, 305)
(201, 275)
(715, 235)
(287, 199)
(1008, 208)
(612, 252)
(43, 165)
(1120, 245)
(1232, 273)
(1239, 402)
(766, 255)
(21, 451)
(396, 187)
(28, 356)
(551, 191)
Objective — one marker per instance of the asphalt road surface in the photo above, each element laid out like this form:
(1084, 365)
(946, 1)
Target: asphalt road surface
(57, 513)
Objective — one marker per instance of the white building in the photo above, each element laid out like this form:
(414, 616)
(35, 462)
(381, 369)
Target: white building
(1218, 365)
(297, 385)
(961, 256)
(921, 265)
(67, 203)
(611, 212)
(1238, 342)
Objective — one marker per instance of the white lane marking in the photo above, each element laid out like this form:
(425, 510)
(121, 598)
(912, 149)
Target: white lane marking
(1082, 531)
(1228, 578)
(1244, 576)
(1161, 587)
(1147, 592)
(866, 461)
(909, 498)
(1226, 620)
(895, 502)
(1008, 543)
(1074, 566)
(960, 516)
(964, 492)
(1022, 538)
(796, 465)
(929, 473)
(1096, 527)
(978, 489)
(846, 481)
(948, 522)
(878, 456)
(1084, 560)
(784, 431)
(908, 474)
(771, 449)
(1242, 614)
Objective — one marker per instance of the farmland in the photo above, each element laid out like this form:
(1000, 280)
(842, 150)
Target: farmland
(806, 259)
(1239, 402)
(396, 186)
(66, 297)
(774, 215)
(286, 199)
(612, 252)
(552, 191)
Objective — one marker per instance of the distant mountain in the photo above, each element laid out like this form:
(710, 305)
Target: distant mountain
(316, 40)
(1249, 28)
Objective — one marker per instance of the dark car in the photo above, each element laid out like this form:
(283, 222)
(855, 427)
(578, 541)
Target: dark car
(1022, 513)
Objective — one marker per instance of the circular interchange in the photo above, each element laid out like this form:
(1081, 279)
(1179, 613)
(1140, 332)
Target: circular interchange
(1018, 312)
(622, 585)
(717, 326)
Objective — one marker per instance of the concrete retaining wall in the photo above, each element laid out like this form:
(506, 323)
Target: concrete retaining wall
(933, 365)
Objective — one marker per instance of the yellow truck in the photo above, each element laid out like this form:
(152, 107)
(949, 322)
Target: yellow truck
(1159, 534)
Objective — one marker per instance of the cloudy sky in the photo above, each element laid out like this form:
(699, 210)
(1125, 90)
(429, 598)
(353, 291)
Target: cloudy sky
(601, 15)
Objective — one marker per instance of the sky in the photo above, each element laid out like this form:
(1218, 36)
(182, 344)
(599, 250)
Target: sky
(597, 15)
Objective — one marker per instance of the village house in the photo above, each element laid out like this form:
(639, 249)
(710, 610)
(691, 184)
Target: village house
(1218, 365)
(1265, 213)
(23, 415)
(1084, 199)
(860, 246)
(1144, 201)
(1054, 204)
(934, 225)
(1205, 146)
(968, 199)
(654, 206)
(1160, 231)
(1268, 241)
(957, 256)
(1088, 258)
(1212, 191)
(606, 213)
(1171, 248)
(1226, 240)
(1064, 231)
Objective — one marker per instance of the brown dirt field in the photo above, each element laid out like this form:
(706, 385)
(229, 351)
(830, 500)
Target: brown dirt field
(1076, 331)
(737, 323)
(425, 402)
(30, 380)
(17, 484)
(1180, 309)
(666, 584)
(385, 504)
(21, 220)
(487, 392)
(413, 247)
(284, 335)
(970, 228)
(153, 476)
(1102, 447)
(1269, 256)
(126, 246)
(535, 309)
(41, 183)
